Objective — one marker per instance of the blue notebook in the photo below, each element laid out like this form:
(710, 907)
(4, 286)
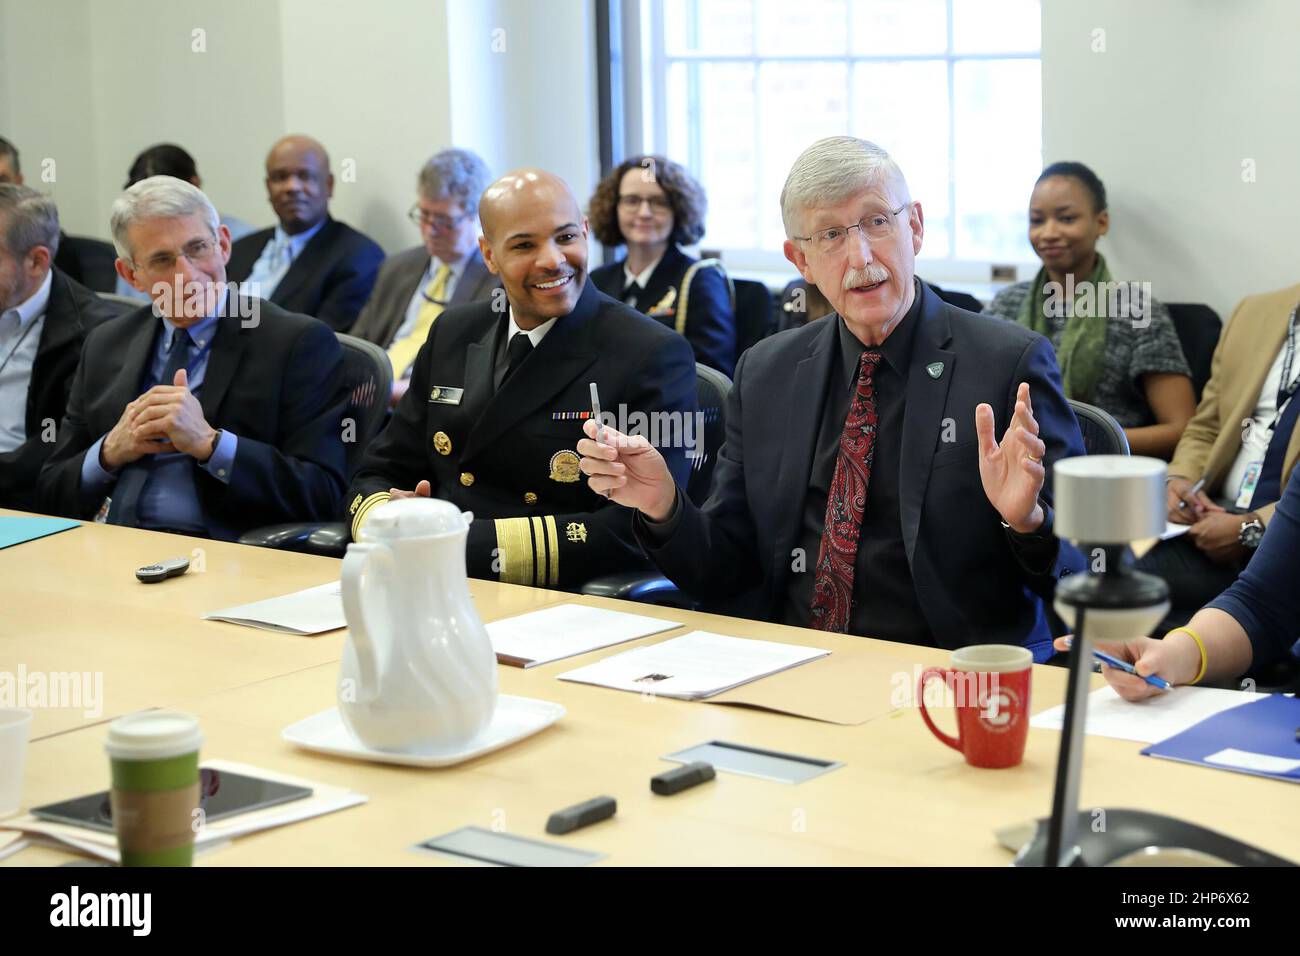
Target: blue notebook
(20, 530)
(1256, 738)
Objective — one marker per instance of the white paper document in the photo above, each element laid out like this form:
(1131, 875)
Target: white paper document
(312, 611)
(564, 630)
(1152, 720)
(1174, 530)
(694, 666)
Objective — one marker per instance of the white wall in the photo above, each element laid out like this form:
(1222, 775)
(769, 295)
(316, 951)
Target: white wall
(524, 85)
(45, 103)
(1184, 93)
(382, 85)
(217, 93)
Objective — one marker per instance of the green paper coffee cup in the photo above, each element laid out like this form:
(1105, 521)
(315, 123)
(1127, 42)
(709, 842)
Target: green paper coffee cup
(154, 756)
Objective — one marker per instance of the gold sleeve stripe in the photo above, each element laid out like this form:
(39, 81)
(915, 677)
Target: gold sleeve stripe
(363, 511)
(553, 549)
(514, 550)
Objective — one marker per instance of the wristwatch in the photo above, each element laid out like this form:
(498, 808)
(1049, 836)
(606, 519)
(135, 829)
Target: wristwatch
(1250, 533)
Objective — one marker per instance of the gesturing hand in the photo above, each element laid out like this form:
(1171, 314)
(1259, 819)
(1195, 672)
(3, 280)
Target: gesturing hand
(1012, 471)
(629, 470)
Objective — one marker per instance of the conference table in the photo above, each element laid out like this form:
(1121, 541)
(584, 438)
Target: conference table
(71, 604)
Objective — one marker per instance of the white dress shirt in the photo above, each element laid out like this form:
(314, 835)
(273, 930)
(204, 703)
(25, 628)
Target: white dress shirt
(20, 337)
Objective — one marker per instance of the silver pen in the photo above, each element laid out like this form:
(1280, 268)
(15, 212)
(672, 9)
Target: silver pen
(595, 413)
(1182, 502)
(600, 426)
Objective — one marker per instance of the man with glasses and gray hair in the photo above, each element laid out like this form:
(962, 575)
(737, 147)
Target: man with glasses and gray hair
(446, 269)
(205, 413)
(44, 318)
(861, 488)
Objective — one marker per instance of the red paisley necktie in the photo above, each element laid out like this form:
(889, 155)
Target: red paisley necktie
(845, 504)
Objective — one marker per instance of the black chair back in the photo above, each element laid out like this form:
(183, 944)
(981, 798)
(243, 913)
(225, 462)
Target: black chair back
(962, 300)
(711, 393)
(1102, 435)
(755, 318)
(369, 378)
(799, 301)
(88, 261)
(1198, 327)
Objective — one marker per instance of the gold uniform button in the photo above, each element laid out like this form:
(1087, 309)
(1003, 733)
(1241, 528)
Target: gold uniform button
(466, 478)
(530, 498)
(442, 443)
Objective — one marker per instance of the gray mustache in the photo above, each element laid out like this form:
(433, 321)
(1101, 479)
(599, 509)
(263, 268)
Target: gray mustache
(872, 274)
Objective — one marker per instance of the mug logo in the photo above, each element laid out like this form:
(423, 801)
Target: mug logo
(999, 709)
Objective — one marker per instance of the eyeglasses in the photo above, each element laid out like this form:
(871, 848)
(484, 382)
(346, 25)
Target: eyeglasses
(877, 227)
(197, 252)
(437, 221)
(658, 204)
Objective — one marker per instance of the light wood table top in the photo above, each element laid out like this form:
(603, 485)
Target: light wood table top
(901, 798)
(72, 605)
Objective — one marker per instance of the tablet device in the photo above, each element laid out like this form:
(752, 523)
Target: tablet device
(222, 794)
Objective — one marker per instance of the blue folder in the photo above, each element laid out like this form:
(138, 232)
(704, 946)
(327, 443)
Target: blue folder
(1265, 728)
(14, 530)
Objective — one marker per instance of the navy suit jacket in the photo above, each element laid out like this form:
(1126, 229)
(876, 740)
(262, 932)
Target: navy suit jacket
(970, 581)
(330, 280)
(709, 323)
(278, 386)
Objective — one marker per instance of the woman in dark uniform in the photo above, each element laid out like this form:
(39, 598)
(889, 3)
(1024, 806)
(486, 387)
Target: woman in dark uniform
(652, 206)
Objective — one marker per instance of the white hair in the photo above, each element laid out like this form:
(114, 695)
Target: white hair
(158, 197)
(834, 169)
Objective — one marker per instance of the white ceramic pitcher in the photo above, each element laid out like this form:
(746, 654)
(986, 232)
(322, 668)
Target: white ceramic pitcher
(418, 672)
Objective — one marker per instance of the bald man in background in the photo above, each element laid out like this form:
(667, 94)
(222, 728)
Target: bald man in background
(501, 387)
(309, 262)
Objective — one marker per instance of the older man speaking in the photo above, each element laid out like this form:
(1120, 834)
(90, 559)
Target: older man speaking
(861, 487)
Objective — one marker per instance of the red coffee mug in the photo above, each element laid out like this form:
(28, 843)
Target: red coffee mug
(990, 683)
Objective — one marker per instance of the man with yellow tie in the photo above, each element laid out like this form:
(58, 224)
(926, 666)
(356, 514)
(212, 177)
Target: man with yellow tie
(446, 269)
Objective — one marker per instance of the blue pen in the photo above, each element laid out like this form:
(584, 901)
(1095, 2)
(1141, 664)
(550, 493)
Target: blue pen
(1128, 668)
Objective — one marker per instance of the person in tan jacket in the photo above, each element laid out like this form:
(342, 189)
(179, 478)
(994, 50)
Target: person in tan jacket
(1235, 455)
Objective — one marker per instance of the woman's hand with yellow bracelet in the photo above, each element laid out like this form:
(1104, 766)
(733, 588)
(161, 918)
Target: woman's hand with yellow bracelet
(1177, 659)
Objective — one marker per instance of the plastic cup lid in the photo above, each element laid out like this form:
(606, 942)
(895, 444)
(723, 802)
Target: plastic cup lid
(153, 735)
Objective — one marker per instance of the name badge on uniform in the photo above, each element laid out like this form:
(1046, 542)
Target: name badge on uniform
(1248, 483)
(446, 395)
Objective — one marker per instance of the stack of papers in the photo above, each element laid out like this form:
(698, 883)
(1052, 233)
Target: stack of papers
(324, 799)
(694, 666)
(312, 611)
(1156, 718)
(564, 630)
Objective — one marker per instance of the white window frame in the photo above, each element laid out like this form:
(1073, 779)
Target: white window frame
(645, 69)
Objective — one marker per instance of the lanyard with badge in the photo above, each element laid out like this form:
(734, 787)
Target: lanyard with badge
(1286, 390)
(19, 344)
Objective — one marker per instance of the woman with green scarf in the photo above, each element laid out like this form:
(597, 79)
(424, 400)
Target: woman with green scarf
(1116, 345)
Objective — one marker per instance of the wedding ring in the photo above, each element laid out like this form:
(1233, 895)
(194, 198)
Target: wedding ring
(1036, 461)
